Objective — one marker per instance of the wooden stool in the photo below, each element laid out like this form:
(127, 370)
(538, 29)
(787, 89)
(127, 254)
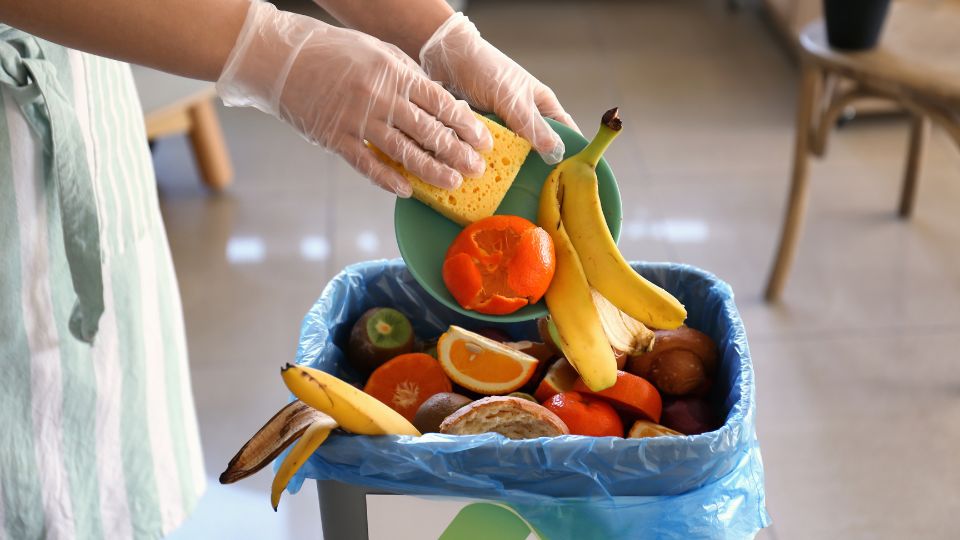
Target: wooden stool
(174, 106)
(917, 65)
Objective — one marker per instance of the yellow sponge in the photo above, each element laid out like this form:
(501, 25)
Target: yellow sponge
(476, 198)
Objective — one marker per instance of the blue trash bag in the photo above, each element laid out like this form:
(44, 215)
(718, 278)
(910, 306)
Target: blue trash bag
(701, 486)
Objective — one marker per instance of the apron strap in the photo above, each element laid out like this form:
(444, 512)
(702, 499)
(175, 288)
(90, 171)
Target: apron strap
(50, 113)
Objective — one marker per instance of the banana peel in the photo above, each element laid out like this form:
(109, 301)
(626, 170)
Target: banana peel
(297, 421)
(625, 334)
(306, 421)
(274, 437)
(347, 407)
(315, 435)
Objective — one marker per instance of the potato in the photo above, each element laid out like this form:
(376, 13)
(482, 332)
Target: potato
(678, 373)
(681, 363)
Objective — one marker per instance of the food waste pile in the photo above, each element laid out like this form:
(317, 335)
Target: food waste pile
(614, 357)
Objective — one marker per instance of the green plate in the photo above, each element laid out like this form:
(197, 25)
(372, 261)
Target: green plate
(424, 235)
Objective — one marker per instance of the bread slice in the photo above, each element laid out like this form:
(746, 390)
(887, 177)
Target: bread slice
(476, 198)
(512, 417)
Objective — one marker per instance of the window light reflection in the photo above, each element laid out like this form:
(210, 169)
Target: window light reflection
(368, 242)
(668, 230)
(314, 248)
(245, 250)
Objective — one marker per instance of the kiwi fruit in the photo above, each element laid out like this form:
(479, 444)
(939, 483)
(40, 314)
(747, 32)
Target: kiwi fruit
(436, 408)
(427, 347)
(378, 335)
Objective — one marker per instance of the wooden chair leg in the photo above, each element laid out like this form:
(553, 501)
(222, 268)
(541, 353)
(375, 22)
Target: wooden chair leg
(919, 131)
(797, 199)
(209, 146)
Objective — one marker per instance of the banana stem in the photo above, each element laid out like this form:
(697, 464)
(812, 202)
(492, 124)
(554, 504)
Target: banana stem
(610, 126)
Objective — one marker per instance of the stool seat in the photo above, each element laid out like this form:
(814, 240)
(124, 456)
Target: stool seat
(919, 49)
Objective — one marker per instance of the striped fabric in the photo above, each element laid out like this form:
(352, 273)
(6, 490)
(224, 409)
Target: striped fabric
(96, 441)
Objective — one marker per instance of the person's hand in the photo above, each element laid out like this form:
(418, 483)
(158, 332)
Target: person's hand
(339, 87)
(478, 72)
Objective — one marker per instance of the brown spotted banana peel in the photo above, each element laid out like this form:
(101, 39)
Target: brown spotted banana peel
(271, 440)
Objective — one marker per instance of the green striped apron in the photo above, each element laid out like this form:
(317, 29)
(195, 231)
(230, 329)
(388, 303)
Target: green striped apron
(98, 434)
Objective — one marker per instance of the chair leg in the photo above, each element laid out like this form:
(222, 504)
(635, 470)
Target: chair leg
(919, 131)
(797, 198)
(209, 146)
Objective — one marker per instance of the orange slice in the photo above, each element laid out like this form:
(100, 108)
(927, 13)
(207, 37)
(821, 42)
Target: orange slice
(560, 378)
(482, 364)
(406, 381)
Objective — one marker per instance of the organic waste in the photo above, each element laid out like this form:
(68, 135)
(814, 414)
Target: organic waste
(483, 365)
(588, 259)
(642, 429)
(377, 336)
(412, 393)
(499, 264)
(512, 417)
(681, 362)
(612, 344)
(436, 408)
(405, 382)
(631, 394)
(586, 415)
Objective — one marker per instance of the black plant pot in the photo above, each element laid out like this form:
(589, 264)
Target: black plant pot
(854, 24)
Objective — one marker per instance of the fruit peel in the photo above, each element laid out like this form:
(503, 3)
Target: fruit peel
(560, 377)
(631, 394)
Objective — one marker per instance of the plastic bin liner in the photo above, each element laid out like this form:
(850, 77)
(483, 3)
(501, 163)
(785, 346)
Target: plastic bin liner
(701, 486)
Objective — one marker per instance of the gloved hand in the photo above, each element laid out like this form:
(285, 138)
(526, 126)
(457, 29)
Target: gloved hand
(339, 87)
(478, 72)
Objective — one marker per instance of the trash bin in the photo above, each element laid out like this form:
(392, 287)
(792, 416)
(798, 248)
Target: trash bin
(701, 486)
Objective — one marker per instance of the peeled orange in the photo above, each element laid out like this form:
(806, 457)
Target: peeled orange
(482, 364)
(499, 264)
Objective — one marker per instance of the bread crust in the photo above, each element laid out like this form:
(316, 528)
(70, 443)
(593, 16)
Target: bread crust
(512, 417)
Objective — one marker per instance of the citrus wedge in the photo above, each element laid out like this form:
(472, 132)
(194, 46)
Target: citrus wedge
(482, 364)
(560, 377)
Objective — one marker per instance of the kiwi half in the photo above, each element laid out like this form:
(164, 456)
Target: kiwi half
(427, 347)
(436, 408)
(378, 335)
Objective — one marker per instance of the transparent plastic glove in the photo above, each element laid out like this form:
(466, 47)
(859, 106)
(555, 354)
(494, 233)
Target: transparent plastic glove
(339, 87)
(478, 72)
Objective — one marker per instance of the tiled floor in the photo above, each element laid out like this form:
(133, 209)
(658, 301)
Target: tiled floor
(857, 369)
